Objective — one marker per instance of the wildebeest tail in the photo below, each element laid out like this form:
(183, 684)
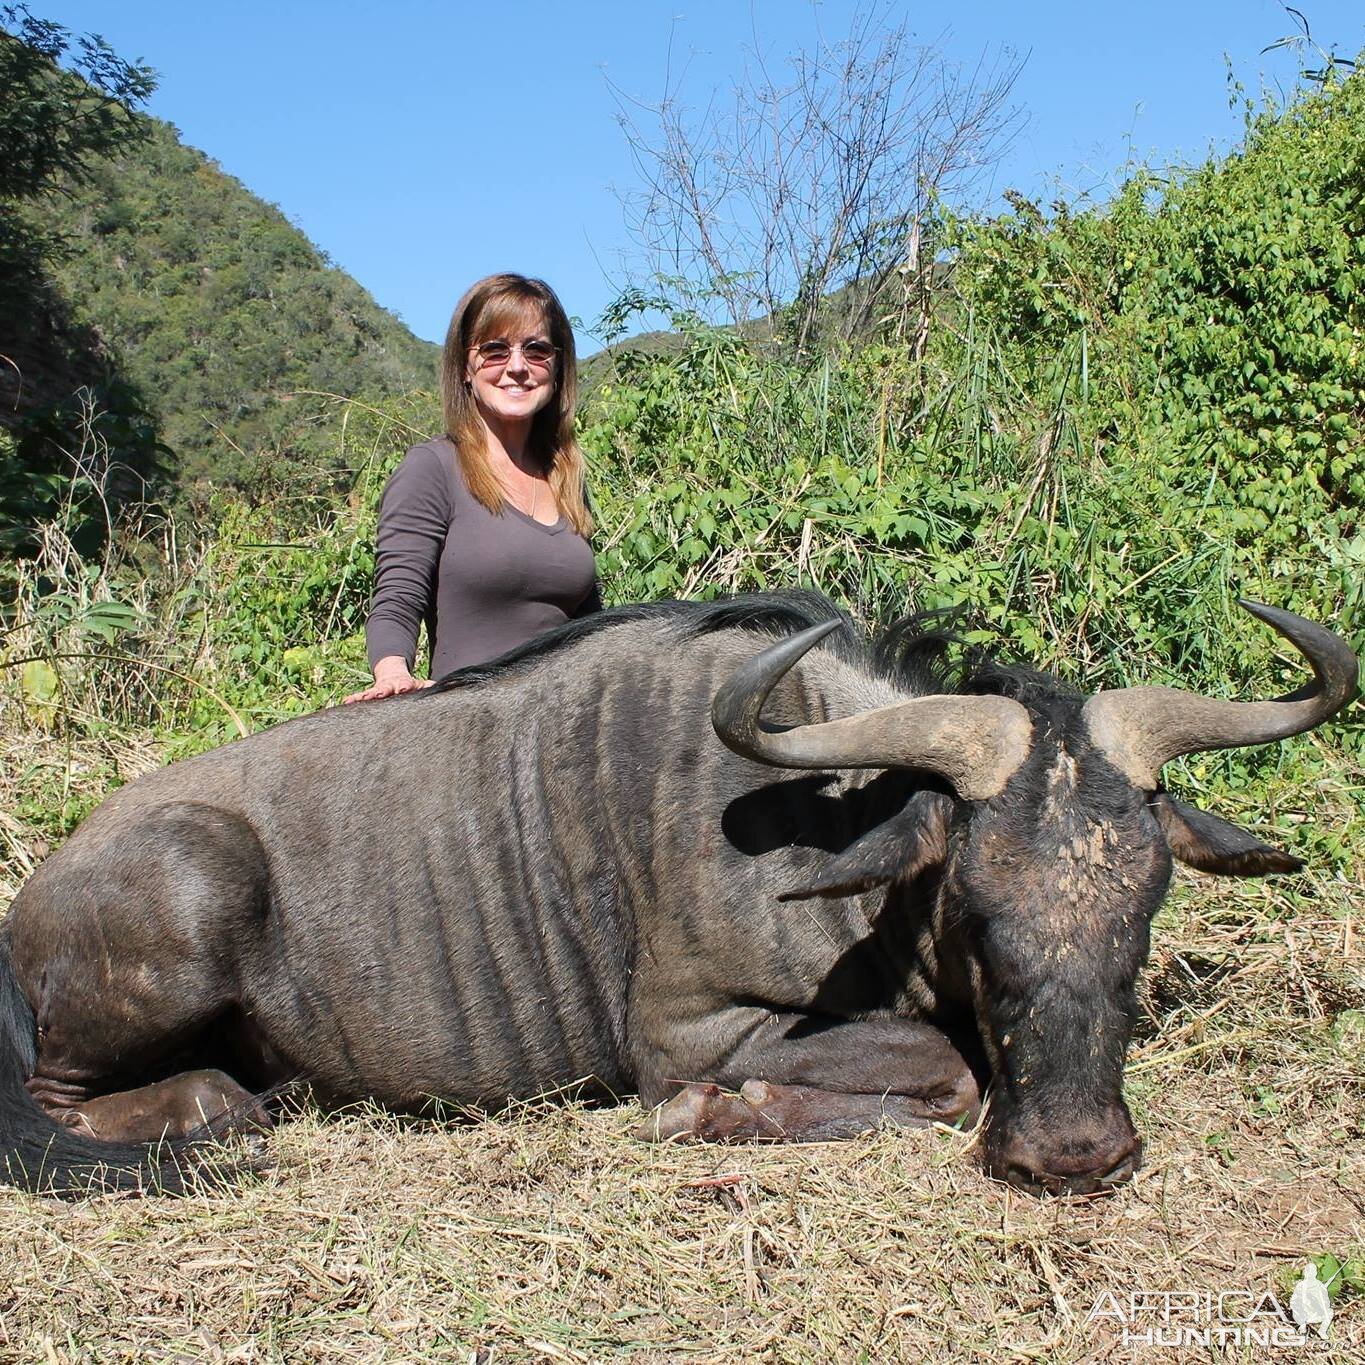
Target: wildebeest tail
(40, 1155)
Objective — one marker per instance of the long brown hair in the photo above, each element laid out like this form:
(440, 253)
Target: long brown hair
(492, 308)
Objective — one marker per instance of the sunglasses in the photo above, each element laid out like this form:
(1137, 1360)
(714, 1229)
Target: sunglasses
(538, 353)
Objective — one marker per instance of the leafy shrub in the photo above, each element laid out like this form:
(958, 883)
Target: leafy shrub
(1120, 420)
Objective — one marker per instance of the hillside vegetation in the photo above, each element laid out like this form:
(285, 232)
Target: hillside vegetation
(221, 311)
(161, 327)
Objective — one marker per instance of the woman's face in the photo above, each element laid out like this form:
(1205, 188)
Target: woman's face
(515, 387)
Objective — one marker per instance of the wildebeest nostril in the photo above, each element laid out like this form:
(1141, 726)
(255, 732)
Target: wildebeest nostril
(1098, 1168)
(1126, 1167)
(1050, 1182)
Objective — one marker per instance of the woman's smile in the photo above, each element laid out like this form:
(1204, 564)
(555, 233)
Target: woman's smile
(511, 386)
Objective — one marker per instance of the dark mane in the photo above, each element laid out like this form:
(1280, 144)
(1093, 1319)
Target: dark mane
(781, 611)
(924, 653)
(1030, 687)
(920, 653)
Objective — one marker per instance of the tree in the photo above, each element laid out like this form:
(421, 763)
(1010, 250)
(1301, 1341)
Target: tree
(52, 122)
(64, 407)
(806, 201)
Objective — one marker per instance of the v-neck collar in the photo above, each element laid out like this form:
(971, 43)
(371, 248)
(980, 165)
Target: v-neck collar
(552, 528)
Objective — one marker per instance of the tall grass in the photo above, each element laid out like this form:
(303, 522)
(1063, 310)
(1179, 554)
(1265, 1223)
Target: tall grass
(889, 485)
(1062, 453)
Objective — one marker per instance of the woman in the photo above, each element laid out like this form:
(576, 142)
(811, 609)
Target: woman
(483, 532)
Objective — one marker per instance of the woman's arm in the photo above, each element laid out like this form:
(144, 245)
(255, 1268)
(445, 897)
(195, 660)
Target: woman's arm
(414, 519)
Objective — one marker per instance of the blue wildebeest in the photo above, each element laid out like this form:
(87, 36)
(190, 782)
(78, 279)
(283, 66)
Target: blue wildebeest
(550, 871)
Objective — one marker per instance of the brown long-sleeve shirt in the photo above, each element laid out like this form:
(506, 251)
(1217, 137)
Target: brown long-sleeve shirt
(483, 583)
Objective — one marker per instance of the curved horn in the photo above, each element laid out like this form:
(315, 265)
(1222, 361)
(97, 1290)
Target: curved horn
(1140, 728)
(976, 743)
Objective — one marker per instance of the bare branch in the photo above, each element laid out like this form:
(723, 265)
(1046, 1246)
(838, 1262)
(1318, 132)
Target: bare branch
(804, 201)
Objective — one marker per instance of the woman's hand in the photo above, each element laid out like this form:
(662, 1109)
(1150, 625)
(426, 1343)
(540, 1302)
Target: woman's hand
(391, 679)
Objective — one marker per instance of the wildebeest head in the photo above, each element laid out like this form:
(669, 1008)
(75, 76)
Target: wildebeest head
(1053, 858)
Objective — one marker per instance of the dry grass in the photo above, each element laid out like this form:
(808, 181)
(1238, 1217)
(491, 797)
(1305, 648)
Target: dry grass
(549, 1234)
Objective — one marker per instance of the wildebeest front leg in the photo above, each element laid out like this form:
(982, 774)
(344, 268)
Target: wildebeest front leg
(802, 1079)
(761, 1111)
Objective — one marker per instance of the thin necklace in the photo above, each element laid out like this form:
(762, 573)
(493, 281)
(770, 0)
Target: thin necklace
(535, 495)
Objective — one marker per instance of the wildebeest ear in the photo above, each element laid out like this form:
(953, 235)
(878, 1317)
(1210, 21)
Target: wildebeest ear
(1212, 845)
(901, 847)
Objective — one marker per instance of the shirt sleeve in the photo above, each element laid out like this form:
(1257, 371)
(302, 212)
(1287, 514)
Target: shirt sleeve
(414, 519)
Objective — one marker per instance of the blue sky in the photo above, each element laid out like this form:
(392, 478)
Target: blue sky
(424, 144)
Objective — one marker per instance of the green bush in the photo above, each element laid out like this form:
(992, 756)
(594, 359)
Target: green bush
(1121, 419)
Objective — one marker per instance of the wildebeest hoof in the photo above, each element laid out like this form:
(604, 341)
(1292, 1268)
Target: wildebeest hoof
(706, 1113)
(767, 1112)
(961, 1104)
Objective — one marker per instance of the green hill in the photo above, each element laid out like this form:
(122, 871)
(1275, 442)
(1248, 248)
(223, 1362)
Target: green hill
(217, 311)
